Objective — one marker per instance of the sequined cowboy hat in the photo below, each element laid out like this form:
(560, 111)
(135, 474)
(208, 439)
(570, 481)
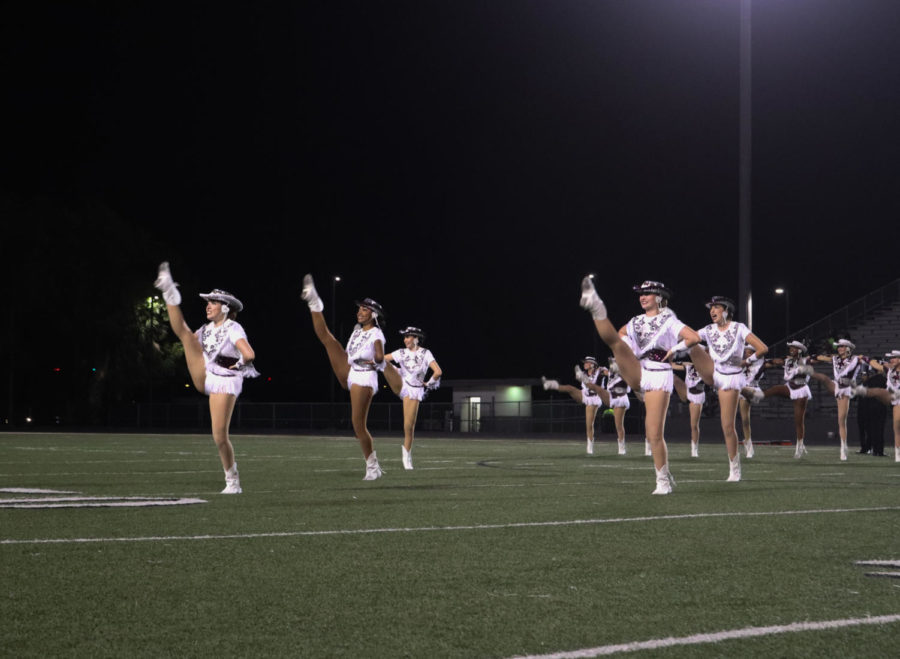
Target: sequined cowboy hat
(722, 301)
(218, 295)
(650, 287)
(591, 359)
(847, 343)
(413, 331)
(799, 345)
(371, 305)
(892, 354)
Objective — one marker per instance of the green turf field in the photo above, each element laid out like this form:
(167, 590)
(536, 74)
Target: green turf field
(489, 548)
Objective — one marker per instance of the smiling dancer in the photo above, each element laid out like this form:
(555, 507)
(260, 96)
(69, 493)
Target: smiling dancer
(218, 358)
(408, 382)
(356, 368)
(591, 398)
(643, 348)
(725, 338)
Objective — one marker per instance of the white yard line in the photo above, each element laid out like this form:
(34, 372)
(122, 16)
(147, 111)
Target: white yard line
(431, 529)
(716, 637)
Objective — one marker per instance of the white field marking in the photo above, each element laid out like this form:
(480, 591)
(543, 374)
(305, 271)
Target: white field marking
(32, 490)
(716, 637)
(888, 563)
(892, 575)
(97, 502)
(429, 529)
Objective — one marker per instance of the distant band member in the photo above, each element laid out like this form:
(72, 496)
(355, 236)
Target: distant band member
(889, 396)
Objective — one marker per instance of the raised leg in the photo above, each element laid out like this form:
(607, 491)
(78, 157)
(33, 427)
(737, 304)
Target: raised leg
(393, 378)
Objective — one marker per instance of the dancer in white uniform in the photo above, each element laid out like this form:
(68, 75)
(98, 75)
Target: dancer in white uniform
(613, 391)
(408, 382)
(356, 368)
(725, 339)
(218, 357)
(591, 399)
(693, 392)
(796, 388)
(889, 396)
(846, 369)
(643, 348)
(753, 375)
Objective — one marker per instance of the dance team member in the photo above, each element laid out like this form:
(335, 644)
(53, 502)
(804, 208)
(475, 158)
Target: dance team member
(846, 369)
(408, 382)
(218, 357)
(656, 335)
(591, 399)
(693, 392)
(796, 388)
(889, 396)
(725, 339)
(356, 368)
(753, 374)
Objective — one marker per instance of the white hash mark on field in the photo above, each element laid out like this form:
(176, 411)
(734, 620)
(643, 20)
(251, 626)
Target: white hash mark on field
(431, 529)
(715, 637)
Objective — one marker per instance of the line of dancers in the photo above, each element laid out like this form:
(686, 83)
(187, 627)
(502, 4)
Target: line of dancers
(733, 362)
(219, 357)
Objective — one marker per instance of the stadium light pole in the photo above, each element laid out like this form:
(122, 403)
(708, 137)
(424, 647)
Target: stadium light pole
(745, 161)
(787, 309)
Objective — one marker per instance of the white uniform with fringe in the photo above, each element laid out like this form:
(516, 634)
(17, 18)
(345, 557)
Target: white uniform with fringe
(754, 373)
(588, 395)
(219, 351)
(845, 374)
(797, 383)
(696, 390)
(413, 365)
(618, 390)
(651, 337)
(726, 348)
(893, 385)
(361, 357)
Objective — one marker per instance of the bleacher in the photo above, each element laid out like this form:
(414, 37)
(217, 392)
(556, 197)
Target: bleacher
(873, 322)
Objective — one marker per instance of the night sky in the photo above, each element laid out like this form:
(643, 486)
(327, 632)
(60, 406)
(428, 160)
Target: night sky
(463, 163)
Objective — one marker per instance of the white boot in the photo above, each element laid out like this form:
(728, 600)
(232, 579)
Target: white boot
(590, 447)
(310, 295)
(800, 451)
(590, 301)
(407, 458)
(734, 469)
(695, 449)
(552, 385)
(843, 450)
(647, 450)
(748, 447)
(168, 287)
(664, 481)
(373, 469)
(897, 455)
(621, 447)
(232, 481)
